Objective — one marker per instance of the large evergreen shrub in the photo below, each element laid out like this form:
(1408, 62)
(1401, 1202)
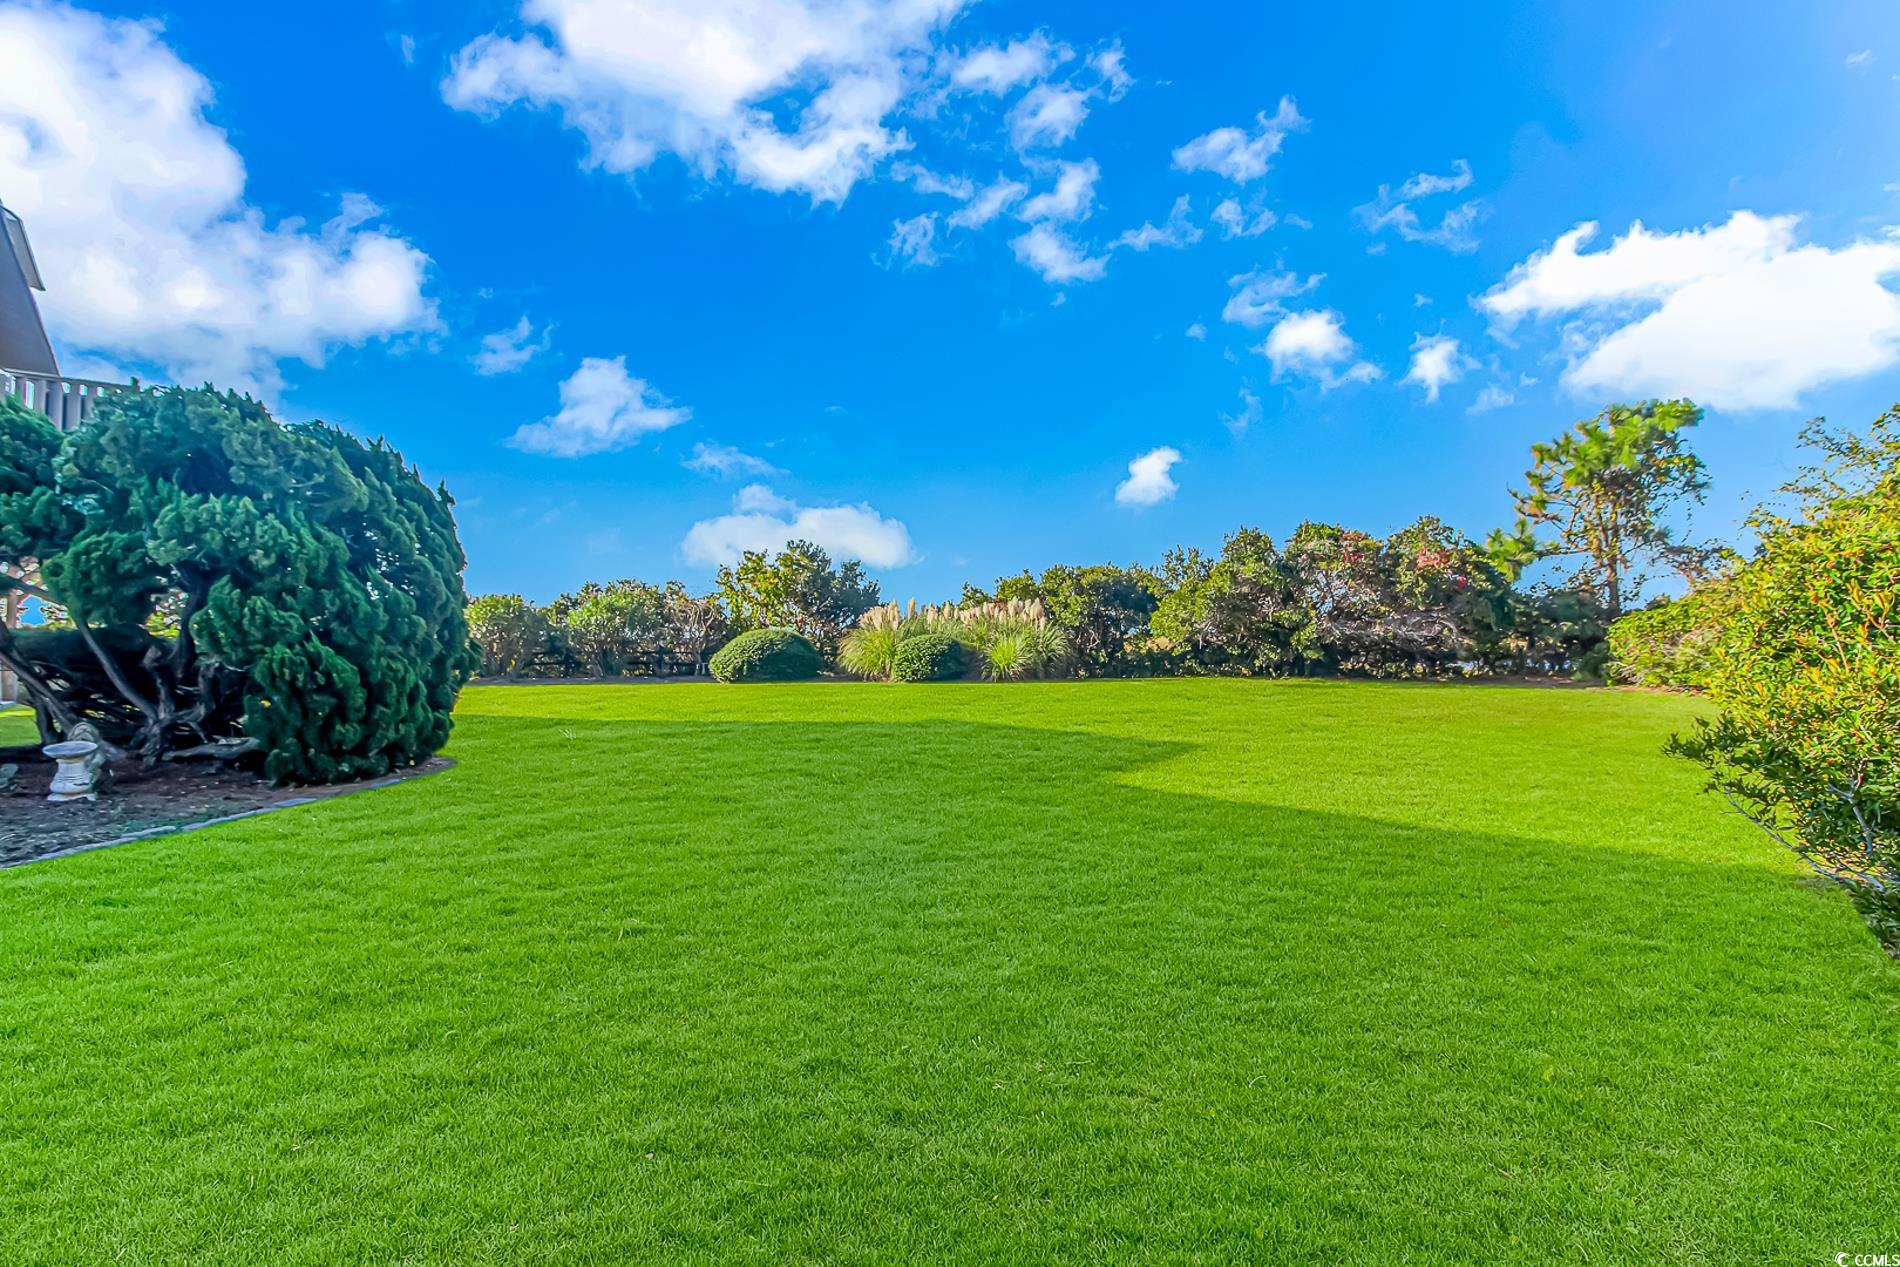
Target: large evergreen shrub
(238, 587)
(767, 655)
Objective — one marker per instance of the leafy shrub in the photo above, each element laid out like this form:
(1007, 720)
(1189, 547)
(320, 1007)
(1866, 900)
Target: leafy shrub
(928, 657)
(1806, 671)
(608, 625)
(1667, 644)
(508, 630)
(1424, 600)
(767, 655)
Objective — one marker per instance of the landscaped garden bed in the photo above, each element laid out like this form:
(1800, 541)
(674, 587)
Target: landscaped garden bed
(135, 802)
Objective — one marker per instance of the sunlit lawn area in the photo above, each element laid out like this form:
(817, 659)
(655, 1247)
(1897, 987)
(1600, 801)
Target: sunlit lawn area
(16, 726)
(1179, 970)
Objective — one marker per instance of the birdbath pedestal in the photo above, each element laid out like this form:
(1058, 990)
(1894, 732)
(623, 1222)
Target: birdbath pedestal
(72, 781)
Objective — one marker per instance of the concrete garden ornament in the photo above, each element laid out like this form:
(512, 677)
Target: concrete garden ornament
(73, 780)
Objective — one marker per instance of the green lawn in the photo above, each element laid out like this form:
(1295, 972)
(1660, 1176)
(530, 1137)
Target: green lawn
(16, 726)
(1171, 971)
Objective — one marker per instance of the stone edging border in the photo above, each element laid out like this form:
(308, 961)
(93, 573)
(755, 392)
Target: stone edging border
(435, 765)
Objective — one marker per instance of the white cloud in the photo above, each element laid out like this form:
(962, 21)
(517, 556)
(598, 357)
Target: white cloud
(1236, 223)
(1424, 184)
(1737, 315)
(1436, 361)
(1393, 210)
(1048, 115)
(506, 351)
(759, 499)
(1490, 397)
(135, 204)
(990, 203)
(708, 80)
(925, 181)
(1177, 231)
(1148, 482)
(1114, 74)
(913, 239)
(1197, 332)
(1250, 412)
(603, 408)
(1056, 256)
(725, 461)
(1260, 295)
(1236, 154)
(1072, 197)
(1314, 344)
(998, 68)
(1861, 60)
(762, 520)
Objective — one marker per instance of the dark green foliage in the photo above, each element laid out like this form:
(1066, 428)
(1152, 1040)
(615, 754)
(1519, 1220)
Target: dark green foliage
(799, 589)
(312, 582)
(767, 655)
(1422, 601)
(928, 657)
(1552, 632)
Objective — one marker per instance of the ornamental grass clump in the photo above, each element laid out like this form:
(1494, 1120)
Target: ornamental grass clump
(869, 649)
(1006, 641)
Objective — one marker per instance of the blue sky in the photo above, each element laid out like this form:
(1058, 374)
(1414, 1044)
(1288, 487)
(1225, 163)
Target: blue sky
(1287, 261)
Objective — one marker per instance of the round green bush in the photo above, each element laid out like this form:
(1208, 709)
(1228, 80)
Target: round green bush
(767, 655)
(927, 657)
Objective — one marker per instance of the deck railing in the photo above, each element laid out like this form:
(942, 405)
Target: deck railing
(67, 401)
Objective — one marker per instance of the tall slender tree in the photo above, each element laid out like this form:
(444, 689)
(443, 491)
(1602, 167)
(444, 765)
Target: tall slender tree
(1602, 494)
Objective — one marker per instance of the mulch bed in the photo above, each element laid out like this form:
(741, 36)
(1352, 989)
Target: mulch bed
(144, 802)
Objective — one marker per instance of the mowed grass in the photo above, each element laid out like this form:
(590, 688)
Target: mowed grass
(1167, 971)
(16, 726)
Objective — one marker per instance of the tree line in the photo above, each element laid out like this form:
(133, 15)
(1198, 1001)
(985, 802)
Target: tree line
(1598, 502)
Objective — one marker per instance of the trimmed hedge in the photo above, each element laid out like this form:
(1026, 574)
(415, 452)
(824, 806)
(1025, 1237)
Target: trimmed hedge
(927, 657)
(767, 655)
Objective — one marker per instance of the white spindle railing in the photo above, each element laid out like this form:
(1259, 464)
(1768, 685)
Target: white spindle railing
(67, 401)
